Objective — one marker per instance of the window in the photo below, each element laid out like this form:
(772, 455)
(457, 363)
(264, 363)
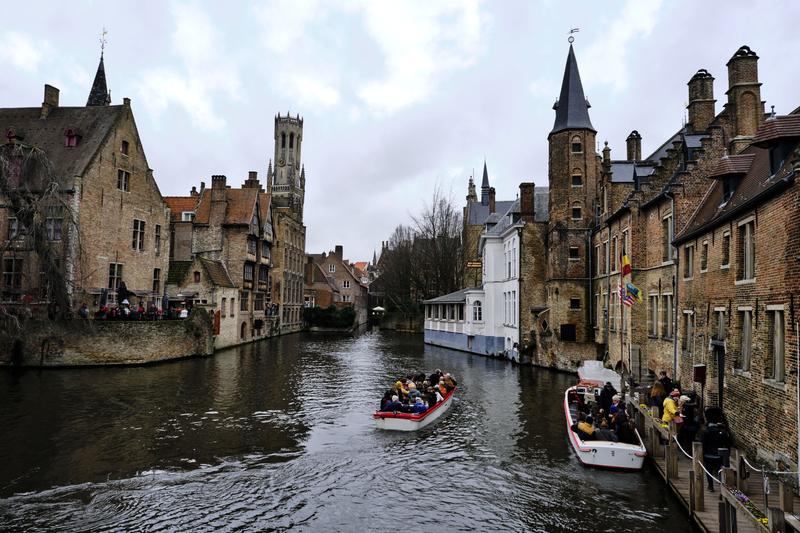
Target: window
(666, 238)
(436, 312)
(187, 216)
(747, 251)
(265, 253)
(70, 138)
(248, 271)
(13, 228)
(291, 140)
(156, 281)
(653, 316)
(283, 140)
(461, 312)
(477, 312)
(624, 250)
(574, 253)
(244, 301)
(726, 249)
(574, 303)
(568, 332)
(123, 180)
(114, 275)
(224, 307)
(704, 257)
(12, 273)
(688, 262)
(746, 319)
(346, 284)
(258, 301)
(576, 211)
(233, 306)
(196, 276)
(688, 331)
(138, 235)
(777, 354)
(597, 268)
(346, 298)
(263, 274)
(603, 259)
(667, 315)
(331, 268)
(577, 145)
(614, 254)
(123, 148)
(577, 178)
(53, 223)
(157, 240)
(719, 333)
(252, 245)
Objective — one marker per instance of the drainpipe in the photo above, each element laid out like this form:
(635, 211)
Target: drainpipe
(589, 254)
(675, 300)
(607, 309)
(797, 358)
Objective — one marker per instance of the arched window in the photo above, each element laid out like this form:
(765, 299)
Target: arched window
(196, 276)
(283, 140)
(291, 140)
(576, 211)
(577, 145)
(477, 312)
(577, 178)
(243, 331)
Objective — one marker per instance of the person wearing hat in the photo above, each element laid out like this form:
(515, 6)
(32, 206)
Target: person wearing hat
(394, 405)
(671, 410)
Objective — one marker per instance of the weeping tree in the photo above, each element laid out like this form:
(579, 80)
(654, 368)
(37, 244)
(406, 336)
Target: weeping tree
(424, 260)
(37, 270)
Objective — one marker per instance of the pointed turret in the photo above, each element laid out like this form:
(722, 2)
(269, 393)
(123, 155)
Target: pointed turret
(99, 95)
(485, 185)
(572, 108)
(472, 196)
(374, 258)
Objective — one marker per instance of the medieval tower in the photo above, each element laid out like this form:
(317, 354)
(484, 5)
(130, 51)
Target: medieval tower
(287, 181)
(573, 174)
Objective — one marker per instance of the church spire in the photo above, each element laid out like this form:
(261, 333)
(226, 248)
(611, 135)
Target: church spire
(572, 108)
(100, 95)
(485, 185)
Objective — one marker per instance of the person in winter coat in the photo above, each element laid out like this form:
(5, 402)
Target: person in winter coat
(419, 406)
(394, 405)
(714, 437)
(606, 395)
(671, 410)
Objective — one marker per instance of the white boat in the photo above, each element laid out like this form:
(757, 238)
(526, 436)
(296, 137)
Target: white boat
(600, 453)
(411, 421)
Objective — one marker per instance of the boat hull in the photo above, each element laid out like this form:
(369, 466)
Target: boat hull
(602, 453)
(411, 422)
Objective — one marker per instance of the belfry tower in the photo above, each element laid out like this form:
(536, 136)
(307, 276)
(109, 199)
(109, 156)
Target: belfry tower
(287, 180)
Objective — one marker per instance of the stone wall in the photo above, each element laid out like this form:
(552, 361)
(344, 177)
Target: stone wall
(102, 342)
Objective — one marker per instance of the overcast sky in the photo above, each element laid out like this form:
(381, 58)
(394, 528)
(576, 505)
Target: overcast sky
(397, 96)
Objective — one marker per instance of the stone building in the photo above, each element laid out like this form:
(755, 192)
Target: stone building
(341, 274)
(320, 289)
(108, 222)
(287, 183)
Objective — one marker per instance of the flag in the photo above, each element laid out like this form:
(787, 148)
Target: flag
(626, 265)
(634, 291)
(625, 298)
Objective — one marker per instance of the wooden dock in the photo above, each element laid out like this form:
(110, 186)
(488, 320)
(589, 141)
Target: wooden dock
(724, 510)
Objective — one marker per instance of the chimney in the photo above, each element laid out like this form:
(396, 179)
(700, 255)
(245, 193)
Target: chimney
(492, 203)
(745, 108)
(634, 142)
(339, 251)
(50, 100)
(194, 192)
(309, 270)
(126, 102)
(218, 188)
(701, 101)
(606, 158)
(252, 181)
(527, 201)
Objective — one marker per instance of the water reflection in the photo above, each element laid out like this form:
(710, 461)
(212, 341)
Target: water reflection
(278, 435)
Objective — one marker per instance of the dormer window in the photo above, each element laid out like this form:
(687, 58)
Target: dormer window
(123, 148)
(71, 138)
(729, 187)
(187, 216)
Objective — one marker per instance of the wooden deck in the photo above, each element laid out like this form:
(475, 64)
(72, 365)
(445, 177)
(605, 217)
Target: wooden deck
(718, 511)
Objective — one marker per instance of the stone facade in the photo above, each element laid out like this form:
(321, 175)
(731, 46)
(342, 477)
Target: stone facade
(343, 277)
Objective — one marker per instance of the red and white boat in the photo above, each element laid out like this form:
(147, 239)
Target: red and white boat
(599, 453)
(411, 421)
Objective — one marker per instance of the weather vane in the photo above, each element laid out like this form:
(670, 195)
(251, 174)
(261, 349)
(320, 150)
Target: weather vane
(571, 39)
(103, 40)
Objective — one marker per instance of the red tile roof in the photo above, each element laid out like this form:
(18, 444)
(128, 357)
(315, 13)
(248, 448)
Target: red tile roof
(240, 208)
(787, 127)
(179, 204)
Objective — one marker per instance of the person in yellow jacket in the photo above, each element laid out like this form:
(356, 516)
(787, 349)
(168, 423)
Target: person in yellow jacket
(671, 410)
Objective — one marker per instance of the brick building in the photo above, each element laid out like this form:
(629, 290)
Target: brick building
(108, 222)
(287, 185)
(341, 274)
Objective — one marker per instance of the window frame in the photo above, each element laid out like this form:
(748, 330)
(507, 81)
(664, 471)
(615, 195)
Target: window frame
(123, 180)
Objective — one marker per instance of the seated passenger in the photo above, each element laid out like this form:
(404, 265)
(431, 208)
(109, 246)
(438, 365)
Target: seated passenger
(434, 378)
(586, 426)
(431, 397)
(449, 382)
(605, 434)
(401, 390)
(442, 387)
(419, 406)
(394, 405)
(387, 397)
(413, 393)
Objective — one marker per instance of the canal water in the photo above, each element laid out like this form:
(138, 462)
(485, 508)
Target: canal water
(278, 436)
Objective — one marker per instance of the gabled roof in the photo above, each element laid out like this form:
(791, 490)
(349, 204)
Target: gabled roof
(91, 124)
(361, 265)
(241, 205)
(178, 271)
(786, 127)
(732, 164)
(179, 204)
(572, 108)
(217, 272)
(477, 213)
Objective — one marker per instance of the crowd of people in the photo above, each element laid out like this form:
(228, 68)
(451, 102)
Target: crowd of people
(607, 419)
(418, 393)
(126, 311)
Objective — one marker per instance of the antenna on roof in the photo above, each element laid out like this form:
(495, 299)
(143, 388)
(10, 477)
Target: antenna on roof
(103, 41)
(571, 39)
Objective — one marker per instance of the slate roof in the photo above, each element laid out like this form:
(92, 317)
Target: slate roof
(92, 124)
(217, 272)
(99, 95)
(622, 172)
(453, 297)
(503, 221)
(757, 183)
(572, 109)
(178, 204)
(477, 213)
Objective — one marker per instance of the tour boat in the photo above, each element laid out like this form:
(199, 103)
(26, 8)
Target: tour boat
(600, 453)
(411, 421)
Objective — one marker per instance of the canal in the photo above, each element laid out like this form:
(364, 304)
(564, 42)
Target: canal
(278, 436)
